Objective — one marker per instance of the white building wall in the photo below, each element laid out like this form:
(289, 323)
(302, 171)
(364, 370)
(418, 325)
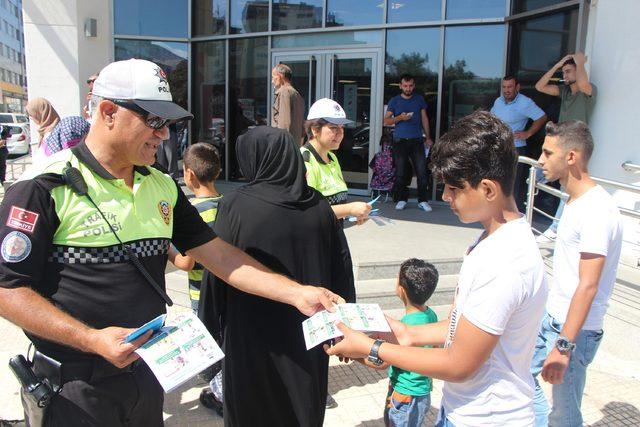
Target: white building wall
(59, 55)
(613, 51)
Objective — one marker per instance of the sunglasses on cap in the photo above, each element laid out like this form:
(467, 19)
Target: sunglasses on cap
(150, 120)
(89, 81)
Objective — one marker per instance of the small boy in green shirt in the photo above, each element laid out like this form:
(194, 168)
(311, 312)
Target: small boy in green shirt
(409, 396)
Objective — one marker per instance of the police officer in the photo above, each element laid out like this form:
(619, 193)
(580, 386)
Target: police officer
(68, 282)
(325, 128)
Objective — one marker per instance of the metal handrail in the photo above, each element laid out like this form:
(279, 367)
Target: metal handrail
(533, 186)
(630, 167)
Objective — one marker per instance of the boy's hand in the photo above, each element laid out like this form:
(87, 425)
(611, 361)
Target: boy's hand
(354, 344)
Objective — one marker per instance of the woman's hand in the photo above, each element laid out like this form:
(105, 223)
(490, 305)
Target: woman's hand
(360, 210)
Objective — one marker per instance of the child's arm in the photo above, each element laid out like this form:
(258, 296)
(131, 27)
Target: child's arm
(433, 334)
(470, 350)
(183, 262)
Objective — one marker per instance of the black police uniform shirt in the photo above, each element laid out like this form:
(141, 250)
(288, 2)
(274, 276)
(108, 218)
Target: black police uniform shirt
(57, 243)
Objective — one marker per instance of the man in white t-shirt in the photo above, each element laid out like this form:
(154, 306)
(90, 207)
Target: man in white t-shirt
(585, 260)
(488, 341)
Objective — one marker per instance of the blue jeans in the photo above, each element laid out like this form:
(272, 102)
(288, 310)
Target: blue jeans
(409, 412)
(442, 419)
(567, 397)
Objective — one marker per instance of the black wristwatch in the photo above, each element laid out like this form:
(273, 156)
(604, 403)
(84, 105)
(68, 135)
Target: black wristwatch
(565, 346)
(373, 354)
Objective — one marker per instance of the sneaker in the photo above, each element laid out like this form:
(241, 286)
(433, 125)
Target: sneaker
(331, 402)
(400, 205)
(425, 206)
(547, 237)
(208, 400)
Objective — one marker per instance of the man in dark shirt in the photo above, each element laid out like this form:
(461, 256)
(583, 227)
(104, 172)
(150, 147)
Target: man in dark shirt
(411, 139)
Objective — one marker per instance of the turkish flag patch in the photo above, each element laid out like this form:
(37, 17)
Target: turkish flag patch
(22, 219)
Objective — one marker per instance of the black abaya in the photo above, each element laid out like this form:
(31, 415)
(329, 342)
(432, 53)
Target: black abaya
(270, 379)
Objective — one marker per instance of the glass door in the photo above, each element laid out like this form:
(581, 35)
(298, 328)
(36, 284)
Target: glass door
(348, 78)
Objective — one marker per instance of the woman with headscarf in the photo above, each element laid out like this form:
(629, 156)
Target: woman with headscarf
(46, 118)
(270, 379)
(66, 134)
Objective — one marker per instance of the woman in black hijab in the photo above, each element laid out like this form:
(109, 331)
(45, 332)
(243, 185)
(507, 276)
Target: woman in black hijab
(270, 379)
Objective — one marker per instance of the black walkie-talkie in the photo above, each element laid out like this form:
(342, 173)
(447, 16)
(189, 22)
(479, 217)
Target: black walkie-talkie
(74, 179)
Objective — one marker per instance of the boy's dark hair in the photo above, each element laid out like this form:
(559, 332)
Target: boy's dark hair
(511, 77)
(478, 146)
(569, 61)
(572, 134)
(203, 159)
(407, 77)
(418, 278)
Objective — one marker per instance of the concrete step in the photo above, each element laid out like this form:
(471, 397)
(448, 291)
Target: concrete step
(389, 269)
(383, 292)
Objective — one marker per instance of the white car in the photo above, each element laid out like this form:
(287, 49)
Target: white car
(18, 142)
(13, 118)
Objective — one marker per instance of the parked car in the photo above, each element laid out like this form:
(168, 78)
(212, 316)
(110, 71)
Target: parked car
(13, 118)
(18, 142)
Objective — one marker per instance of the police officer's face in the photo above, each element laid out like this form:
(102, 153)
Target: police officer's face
(142, 141)
(330, 136)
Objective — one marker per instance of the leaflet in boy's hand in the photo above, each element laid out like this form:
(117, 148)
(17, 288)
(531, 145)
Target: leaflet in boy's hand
(180, 351)
(362, 317)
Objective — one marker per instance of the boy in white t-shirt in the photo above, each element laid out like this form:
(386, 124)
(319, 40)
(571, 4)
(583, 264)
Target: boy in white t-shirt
(490, 335)
(585, 261)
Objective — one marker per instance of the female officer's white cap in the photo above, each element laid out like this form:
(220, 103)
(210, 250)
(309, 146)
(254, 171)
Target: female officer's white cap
(329, 110)
(142, 82)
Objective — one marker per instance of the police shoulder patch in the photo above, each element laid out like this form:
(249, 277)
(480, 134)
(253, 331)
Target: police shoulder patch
(165, 211)
(16, 247)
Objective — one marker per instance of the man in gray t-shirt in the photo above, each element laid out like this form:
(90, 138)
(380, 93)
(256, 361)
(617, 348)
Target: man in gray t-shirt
(577, 96)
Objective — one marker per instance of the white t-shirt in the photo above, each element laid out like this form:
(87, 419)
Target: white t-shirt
(501, 290)
(589, 224)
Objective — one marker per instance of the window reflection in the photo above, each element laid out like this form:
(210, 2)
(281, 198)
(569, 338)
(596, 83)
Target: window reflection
(170, 56)
(248, 90)
(536, 45)
(329, 39)
(527, 5)
(469, 9)
(249, 16)
(209, 17)
(151, 17)
(292, 15)
(354, 12)
(417, 52)
(413, 10)
(209, 94)
(473, 67)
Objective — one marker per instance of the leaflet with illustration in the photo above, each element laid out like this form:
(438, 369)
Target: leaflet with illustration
(362, 317)
(179, 351)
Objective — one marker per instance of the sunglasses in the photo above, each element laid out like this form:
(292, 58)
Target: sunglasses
(154, 122)
(89, 81)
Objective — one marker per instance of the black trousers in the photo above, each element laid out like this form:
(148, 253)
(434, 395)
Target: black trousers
(128, 399)
(4, 153)
(520, 182)
(405, 151)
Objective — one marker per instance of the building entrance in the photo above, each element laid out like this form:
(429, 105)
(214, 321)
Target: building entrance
(349, 77)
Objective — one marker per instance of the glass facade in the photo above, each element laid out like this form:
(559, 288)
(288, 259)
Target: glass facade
(294, 15)
(413, 10)
(209, 17)
(354, 12)
(473, 67)
(156, 18)
(456, 49)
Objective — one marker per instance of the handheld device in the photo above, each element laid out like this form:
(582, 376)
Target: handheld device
(152, 325)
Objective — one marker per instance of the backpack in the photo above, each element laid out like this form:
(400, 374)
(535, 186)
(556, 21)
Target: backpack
(383, 169)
